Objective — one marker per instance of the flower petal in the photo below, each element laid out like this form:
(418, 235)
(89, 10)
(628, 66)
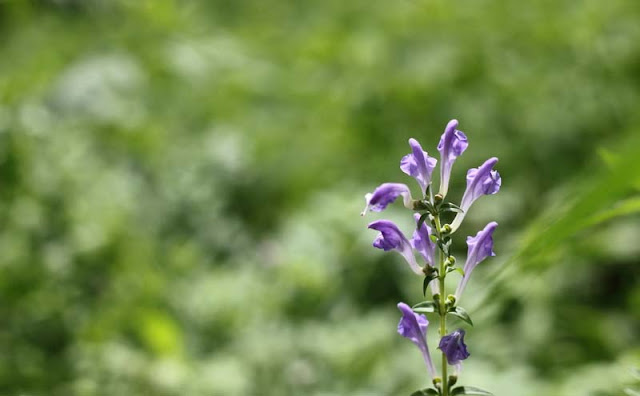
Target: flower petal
(418, 165)
(391, 238)
(414, 327)
(454, 347)
(385, 194)
(479, 248)
(452, 144)
(480, 181)
(422, 242)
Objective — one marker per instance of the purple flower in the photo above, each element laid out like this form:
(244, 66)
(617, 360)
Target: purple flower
(384, 195)
(418, 165)
(454, 347)
(452, 144)
(480, 247)
(414, 327)
(425, 246)
(391, 238)
(422, 242)
(480, 181)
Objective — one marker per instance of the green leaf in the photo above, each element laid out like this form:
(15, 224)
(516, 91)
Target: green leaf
(444, 245)
(422, 220)
(428, 279)
(425, 307)
(623, 208)
(450, 210)
(469, 390)
(450, 207)
(425, 392)
(451, 269)
(461, 313)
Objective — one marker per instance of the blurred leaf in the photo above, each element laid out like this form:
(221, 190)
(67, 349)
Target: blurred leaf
(469, 390)
(596, 191)
(457, 269)
(425, 392)
(425, 307)
(623, 208)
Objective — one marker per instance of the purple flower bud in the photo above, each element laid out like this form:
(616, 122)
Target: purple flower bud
(454, 347)
(425, 246)
(480, 181)
(418, 165)
(452, 144)
(384, 195)
(391, 238)
(414, 327)
(480, 247)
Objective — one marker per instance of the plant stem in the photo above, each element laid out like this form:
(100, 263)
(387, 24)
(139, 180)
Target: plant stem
(443, 313)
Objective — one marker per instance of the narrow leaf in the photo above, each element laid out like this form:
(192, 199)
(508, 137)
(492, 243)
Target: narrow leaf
(422, 220)
(425, 307)
(469, 390)
(462, 314)
(451, 205)
(426, 281)
(458, 269)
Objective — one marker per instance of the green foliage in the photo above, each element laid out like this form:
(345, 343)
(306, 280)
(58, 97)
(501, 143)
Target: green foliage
(469, 390)
(461, 314)
(425, 392)
(180, 185)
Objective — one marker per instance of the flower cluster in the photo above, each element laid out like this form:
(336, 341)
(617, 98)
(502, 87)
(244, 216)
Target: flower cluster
(432, 240)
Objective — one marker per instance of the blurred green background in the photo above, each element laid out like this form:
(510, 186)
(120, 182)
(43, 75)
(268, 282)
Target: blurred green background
(181, 182)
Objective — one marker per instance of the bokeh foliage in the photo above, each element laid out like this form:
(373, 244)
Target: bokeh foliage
(180, 183)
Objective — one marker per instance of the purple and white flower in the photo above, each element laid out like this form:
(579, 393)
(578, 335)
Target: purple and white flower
(391, 238)
(414, 327)
(480, 247)
(385, 194)
(452, 144)
(418, 165)
(483, 180)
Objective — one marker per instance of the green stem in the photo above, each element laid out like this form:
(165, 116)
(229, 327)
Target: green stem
(443, 313)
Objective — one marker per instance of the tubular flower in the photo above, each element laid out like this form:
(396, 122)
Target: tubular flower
(414, 327)
(418, 165)
(480, 247)
(391, 238)
(480, 181)
(454, 347)
(421, 241)
(452, 144)
(385, 194)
